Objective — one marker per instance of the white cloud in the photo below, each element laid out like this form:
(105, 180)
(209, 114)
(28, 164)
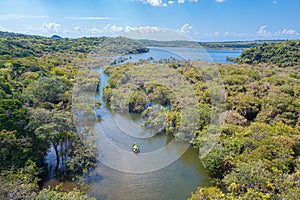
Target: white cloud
(220, 1)
(182, 1)
(140, 32)
(52, 27)
(95, 30)
(18, 17)
(77, 28)
(112, 28)
(287, 32)
(170, 2)
(3, 29)
(144, 29)
(117, 30)
(186, 28)
(152, 2)
(263, 30)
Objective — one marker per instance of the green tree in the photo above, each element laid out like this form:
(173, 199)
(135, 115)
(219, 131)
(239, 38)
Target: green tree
(13, 116)
(21, 183)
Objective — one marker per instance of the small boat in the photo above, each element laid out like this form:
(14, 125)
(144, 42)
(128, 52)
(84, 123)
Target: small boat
(135, 148)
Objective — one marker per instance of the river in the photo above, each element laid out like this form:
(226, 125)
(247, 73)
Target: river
(120, 180)
(210, 55)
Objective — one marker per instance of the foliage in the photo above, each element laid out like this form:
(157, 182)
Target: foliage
(258, 152)
(282, 54)
(40, 78)
(257, 155)
(49, 194)
(12, 115)
(21, 183)
(209, 193)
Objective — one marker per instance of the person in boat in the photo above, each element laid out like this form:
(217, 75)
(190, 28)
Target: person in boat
(135, 148)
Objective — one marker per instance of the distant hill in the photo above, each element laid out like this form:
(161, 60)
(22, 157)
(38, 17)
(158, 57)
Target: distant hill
(207, 45)
(283, 54)
(11, 34)
(21, 45)
(56, 37)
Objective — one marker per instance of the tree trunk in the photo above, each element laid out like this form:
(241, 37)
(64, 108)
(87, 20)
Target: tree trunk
(57, 156)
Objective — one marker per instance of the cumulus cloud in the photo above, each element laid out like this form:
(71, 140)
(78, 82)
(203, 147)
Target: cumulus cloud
(130, 29)
(52, 27)
(170, 2)
(287, 32)
(77, 30)
(186, 28)
(262, 31)
(220, 1)
(144, 29)
(114, 28)
(136, 32)
(152, 2)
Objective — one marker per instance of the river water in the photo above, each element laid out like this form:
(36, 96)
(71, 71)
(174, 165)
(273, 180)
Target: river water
(210, 55)
(120, 180)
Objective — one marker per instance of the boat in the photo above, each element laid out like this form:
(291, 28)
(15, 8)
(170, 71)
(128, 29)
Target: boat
(135, 148)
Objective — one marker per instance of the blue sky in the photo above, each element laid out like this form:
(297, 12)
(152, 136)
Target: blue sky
(201, 20)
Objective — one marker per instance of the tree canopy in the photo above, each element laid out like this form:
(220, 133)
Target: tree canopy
(257, 154)
(282, 54)
(38, 76)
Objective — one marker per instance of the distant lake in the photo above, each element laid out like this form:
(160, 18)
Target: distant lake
(210, 55)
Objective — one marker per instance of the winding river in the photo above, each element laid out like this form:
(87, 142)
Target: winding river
(175, 181)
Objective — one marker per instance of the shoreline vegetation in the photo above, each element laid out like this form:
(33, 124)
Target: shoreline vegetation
(42, 79)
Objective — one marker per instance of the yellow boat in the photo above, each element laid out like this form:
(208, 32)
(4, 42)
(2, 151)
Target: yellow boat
(135, 148)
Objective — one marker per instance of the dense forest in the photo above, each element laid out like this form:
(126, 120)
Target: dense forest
(40, 79)
(207, 45)
(284, 54)
(257, 155)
